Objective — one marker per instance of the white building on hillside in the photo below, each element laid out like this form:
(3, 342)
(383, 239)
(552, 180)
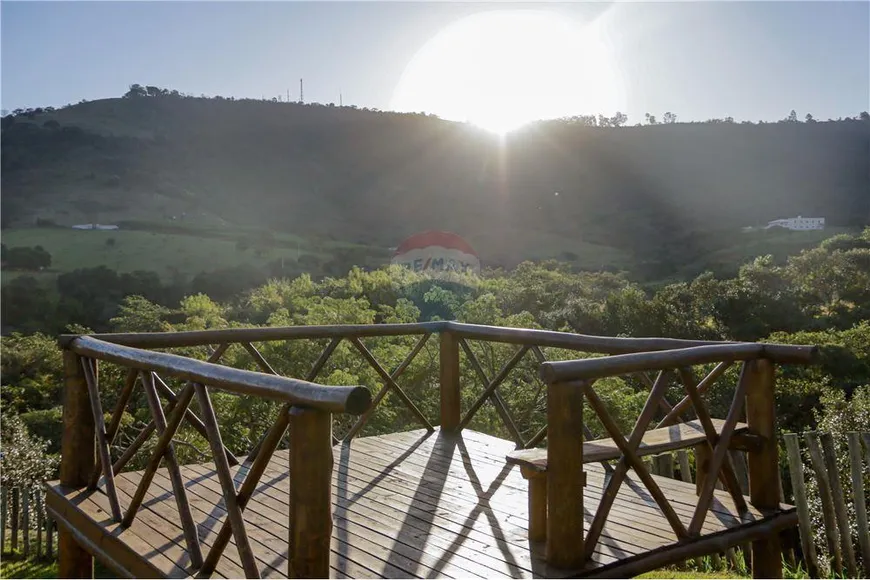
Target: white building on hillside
(94, 227)
(798, 223)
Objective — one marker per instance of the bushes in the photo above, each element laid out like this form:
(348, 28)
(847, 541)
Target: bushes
(24, 460)
(26, 258)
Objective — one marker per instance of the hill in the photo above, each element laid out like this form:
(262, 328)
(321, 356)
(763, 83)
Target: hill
(651, 199)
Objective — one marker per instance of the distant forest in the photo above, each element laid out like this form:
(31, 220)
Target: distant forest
(663, 190)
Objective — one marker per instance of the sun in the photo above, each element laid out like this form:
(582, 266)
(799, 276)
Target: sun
(502, 69)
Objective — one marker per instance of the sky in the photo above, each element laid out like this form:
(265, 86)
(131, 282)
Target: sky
(749, 60)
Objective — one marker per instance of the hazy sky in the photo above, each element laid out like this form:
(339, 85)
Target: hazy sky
(749, 60)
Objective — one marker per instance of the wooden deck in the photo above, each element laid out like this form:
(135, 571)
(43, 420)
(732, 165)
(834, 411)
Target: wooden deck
(405, 505)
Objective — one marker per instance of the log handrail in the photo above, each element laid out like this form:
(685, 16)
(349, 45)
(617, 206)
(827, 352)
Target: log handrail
(307, 408)
(782, 353)
(754, 396)
(594, 368)
(333, 399)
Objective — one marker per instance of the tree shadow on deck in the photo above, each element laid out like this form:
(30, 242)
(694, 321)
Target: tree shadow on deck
(482, 507)
(344, 499)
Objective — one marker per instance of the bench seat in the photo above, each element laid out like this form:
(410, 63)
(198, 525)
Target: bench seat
(533, 462)
(677, 436)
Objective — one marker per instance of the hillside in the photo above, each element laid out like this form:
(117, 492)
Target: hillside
(650, 198)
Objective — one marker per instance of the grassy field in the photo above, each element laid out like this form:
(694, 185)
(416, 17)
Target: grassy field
(746, 246)
(169, 249)
(164, 253)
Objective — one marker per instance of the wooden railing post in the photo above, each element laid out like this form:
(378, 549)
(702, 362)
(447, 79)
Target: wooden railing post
(565, 476)
(76, 460)
(763, 462)
(450, 397)
(310, 493)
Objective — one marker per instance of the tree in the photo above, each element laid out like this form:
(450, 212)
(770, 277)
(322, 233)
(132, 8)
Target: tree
(24, 459)
(26, 258)
(136, 90)
(864, 116)
(792, 117)
(669, 118)
(809, 118)
(650, 119)
(26, 306)
(619, 119)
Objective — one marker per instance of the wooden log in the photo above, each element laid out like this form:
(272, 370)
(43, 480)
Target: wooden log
(673, 415)
(311, 376)
(15, 519)
(25, 521)
(763, 463)
(611, 345)
(77, 454)
(49, 539)
(859, 497)
(685, 470)
(565, 477)
(493, 385)
(702, 466)
(665, 465)
(165, 434)
(259, 334)
(259, 464)
(189, 415)
(719, 458)
(495, 398)
(178, 489)
(738, 459)
(90, 370)
(39, 505)
(824, 485)
(594, 368)
(629, 458)
(719, 466)
(115, 423)
(3, 508)
(258, 358)
(600, 344)
(310, 515)
(865, 441)
(339, 399)
(228, 486)
(394, 376)
(537, 502)
(796, 472)
(840, 511)
(390, 383)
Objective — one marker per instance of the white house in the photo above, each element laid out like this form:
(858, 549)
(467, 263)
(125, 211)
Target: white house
(94, 227)
(798, 223)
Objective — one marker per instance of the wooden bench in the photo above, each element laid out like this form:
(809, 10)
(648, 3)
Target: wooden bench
(533, 462)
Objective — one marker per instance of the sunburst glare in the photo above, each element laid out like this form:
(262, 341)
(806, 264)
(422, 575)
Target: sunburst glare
(502, 69)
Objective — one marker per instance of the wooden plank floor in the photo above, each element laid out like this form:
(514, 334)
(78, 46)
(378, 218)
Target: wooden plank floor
(406, 505)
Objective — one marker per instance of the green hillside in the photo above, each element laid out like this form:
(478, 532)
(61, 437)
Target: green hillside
(658, 201)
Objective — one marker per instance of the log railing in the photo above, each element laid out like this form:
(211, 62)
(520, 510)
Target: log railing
(571, 384)
(462, 348)
(306, 410)
(532, 347)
